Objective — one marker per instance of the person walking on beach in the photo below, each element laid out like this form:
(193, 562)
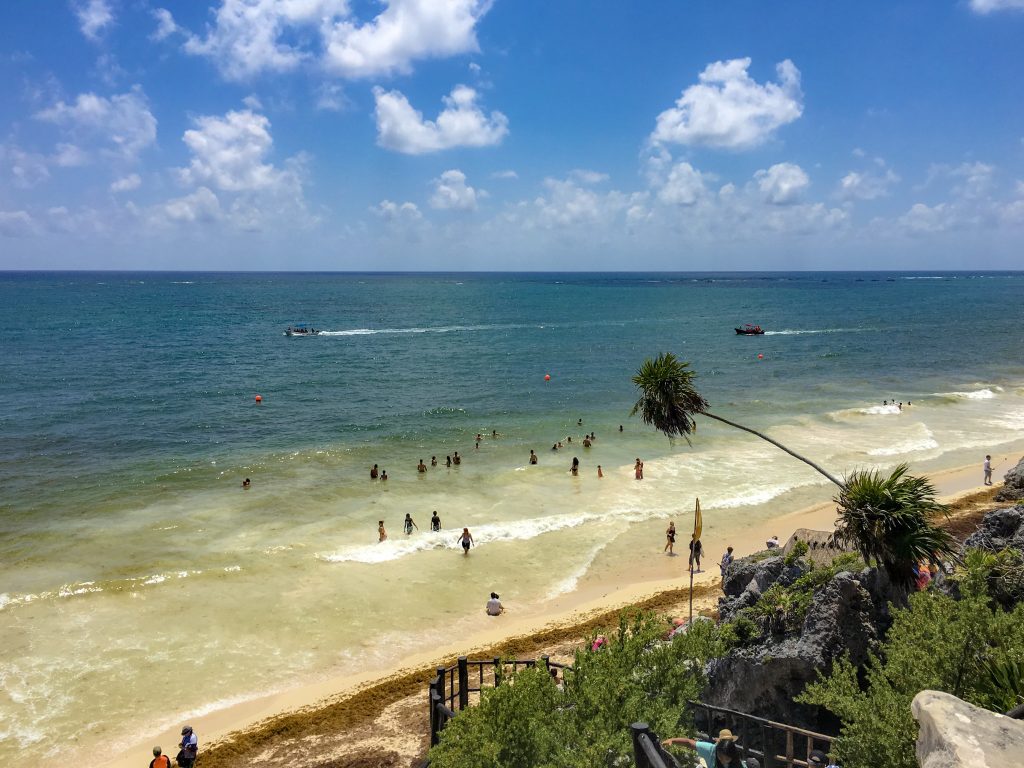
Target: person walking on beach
(374, 474)
(382, 535)
(494, 606)
(409, 524)
(670, 537)
(466, 540)
(435, 522)
(421, 467)
(575, 469)
(189, 748)
(727, 559)
(533, 457)
(696, 550)
(160, 760)
(987, 467)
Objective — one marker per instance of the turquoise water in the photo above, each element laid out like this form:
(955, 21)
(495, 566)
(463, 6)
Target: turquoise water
(128, 420)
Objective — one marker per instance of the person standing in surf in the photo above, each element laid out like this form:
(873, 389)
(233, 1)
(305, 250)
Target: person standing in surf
(435, 522)
(466, 540)
(382, 535)
(409, 524)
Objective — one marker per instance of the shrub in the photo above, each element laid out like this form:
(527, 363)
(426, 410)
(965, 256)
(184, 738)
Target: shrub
(799, 549)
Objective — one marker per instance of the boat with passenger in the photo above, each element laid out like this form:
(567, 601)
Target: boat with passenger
(301, 329)
(750, 330)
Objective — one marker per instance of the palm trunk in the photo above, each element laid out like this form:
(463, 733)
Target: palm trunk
(777, 444)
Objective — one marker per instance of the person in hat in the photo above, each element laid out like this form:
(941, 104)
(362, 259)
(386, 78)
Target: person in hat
(721, 753)
(189, 748)
(817, 758)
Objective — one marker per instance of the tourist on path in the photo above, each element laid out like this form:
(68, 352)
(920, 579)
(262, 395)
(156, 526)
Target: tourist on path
(160, 760)
(189, 748)
(987, 466)
(466, 540)
(435, 522)
(721, 753)
(696, 550)
(409, 524)
(670, 537)
(727, 559)
(494, 606)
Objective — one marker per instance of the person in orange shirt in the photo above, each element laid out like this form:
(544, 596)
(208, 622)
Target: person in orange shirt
(160, 760)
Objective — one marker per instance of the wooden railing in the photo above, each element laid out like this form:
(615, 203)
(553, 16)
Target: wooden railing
(449, 691)
(773, 744)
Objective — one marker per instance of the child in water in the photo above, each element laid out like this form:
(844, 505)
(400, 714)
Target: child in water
(382, 535)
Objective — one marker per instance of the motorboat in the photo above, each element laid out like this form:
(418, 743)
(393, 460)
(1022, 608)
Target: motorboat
(750, 330)
(301, 330)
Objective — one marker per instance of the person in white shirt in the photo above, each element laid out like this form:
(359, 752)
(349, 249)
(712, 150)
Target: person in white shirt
(987, 466)
(773, 542)
(494, 606)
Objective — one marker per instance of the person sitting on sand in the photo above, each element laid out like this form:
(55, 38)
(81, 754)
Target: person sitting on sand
(435, 522)
(374, 474)
(670, 537)
(421, 467)
(575, 468)
(494, 606)
(466, 540)
(409, 524)
(772, 543)
(533, 457)
(722, 753)
(160, 760)
(382, 535)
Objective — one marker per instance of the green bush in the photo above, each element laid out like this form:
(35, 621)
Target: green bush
(799, 549)
(636, 676)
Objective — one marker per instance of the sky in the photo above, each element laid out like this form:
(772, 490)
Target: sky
(511, 135)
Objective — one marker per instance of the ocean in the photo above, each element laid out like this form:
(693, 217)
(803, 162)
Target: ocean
(141, 586)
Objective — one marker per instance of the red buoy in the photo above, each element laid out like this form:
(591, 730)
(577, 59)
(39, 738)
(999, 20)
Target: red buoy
(547, 377)
(760, 356)
(259, 399)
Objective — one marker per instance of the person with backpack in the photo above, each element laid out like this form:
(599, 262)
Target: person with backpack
(189, 748)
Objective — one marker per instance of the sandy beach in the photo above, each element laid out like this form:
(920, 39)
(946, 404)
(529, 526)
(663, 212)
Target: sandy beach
(597, 594)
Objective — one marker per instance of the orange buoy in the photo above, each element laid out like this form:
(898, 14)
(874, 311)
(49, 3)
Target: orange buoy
(259, 399)
(547, 377)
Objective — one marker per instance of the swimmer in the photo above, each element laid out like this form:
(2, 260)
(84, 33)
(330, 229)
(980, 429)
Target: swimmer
(533, 457)
(638, 469)
(560, 444)
(433, 461)
(568, 439)
(599, 472)
(409, 524)
(620, 427)
(554, 446)
(246, 483)
(593, 437)
(579, 422)
(421, 467)
(586, 441)
(383, 475)
(374, 474)
(435, 522)
(457, 459)
(575, 466)
(382, 535)
(494, 433)
(448, 461)
(466, 540)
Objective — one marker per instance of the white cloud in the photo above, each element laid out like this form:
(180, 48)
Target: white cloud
(126, 183)
(868, 185)
(331, 98)
(974, 180)
(684, 185)
(199, 206)
(395, 212)
(70, 156)
(250, 37)
(26, 169)
(509, 174)
(566, 204)
(16, 224)
(990, 6)
(228, 152)
(588, 177)
(460, 124)
(451, 192)
(728, 109)
(165, 26)
(404, 31)
(93, 16)
(121, 124)
(783, 183)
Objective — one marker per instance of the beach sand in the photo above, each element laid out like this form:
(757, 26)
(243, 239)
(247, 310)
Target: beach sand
(236, 734)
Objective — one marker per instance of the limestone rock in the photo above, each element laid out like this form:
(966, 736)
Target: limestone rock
(1013, 484)
(745, 580)
(999, 529)
(955, 734)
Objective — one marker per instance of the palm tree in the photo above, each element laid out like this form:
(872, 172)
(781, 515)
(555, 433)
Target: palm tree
(889, 520)
(669, 401)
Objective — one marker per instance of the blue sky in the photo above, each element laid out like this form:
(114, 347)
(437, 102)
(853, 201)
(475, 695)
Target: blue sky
(511, 135)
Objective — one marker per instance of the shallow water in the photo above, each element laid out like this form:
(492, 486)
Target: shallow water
(140, 585)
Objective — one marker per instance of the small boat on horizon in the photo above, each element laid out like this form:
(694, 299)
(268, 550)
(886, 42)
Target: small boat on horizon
(750, 330)
(301, 329)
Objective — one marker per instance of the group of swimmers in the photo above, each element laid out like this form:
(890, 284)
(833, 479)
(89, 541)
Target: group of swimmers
(409, 525)
(898, 405)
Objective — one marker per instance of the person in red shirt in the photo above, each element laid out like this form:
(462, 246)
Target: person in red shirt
(160, 760)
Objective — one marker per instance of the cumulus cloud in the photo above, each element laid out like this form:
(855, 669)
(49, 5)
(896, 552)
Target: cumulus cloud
(990, 6)
(16, 224)
(331, 98)
(93, 17)
(70, 156)
(782, 184)
(120, 125)
(451, 193)
(250, 37)
(26, 169)
(165, 25)
(199, 206)
(126, 183)
(395, 212)
(228, 152)
(566, 203)
(869, 184)
(729, 110)
(684, 185)
(508, 174)
(461, 124)
(404, 31)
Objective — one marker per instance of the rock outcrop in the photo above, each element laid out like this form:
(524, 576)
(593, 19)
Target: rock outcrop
(745, 580)
(1013, 484)
(999, 529)
(955, 734)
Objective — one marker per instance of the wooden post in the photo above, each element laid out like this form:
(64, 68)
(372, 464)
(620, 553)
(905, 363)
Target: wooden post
(636, 731)
(463, 682)
(789, 749)
(498, 671)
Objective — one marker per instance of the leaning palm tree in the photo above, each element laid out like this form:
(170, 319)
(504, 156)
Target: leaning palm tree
(669, 401)
(889, 520)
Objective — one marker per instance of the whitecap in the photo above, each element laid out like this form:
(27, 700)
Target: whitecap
(979, 394)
